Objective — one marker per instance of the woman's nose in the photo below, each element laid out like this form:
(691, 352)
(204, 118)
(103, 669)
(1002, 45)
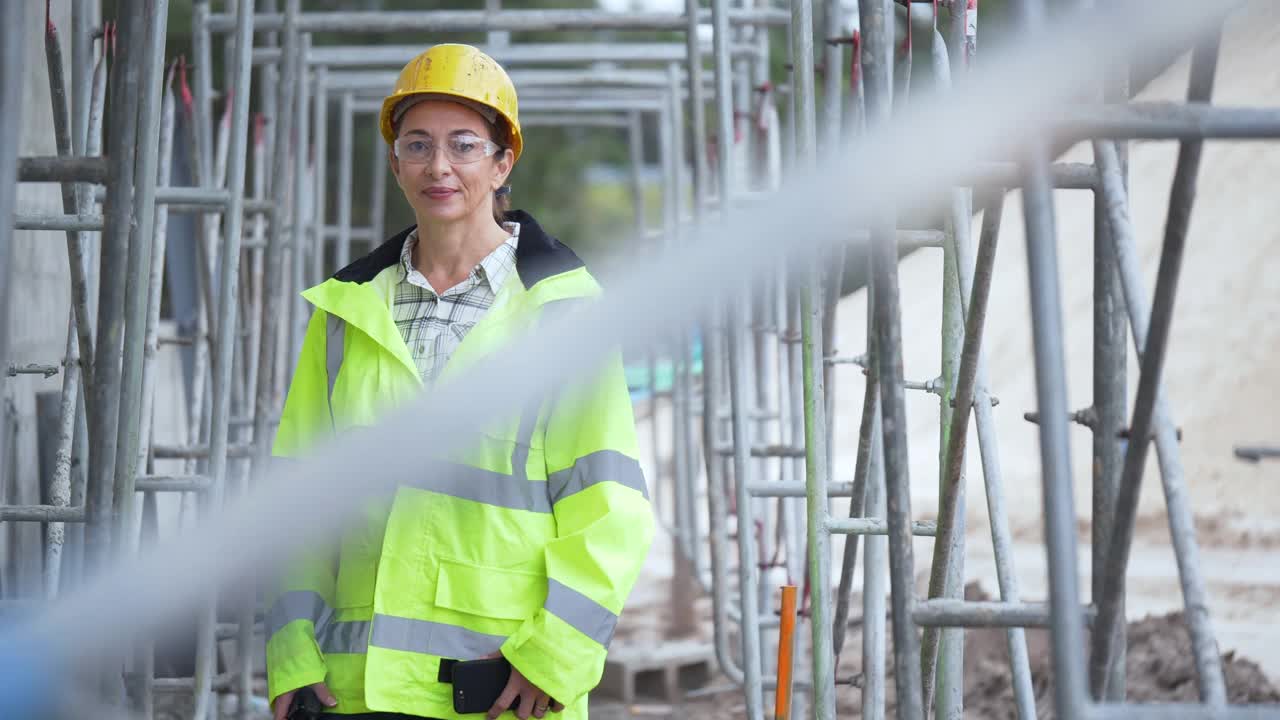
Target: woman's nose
(437, 165)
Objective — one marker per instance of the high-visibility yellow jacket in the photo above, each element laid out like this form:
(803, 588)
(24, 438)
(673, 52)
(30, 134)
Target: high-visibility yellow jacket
(530, 546)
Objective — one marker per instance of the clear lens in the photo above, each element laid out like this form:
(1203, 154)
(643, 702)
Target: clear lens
(459, 150)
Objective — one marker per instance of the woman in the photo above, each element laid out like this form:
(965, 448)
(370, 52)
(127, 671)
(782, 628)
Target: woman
(528, 550)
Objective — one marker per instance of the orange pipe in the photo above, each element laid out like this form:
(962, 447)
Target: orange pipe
(786, 631)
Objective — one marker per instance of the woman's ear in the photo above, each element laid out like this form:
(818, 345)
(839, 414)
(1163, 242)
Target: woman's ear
(502, 168)
(393, 162)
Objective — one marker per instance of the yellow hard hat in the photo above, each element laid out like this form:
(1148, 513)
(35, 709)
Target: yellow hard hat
(463, 72)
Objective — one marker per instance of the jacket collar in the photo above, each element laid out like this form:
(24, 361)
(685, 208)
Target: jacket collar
(361, 292)
(538, 255)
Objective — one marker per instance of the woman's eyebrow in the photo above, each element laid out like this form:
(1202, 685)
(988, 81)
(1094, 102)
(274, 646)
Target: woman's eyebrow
(459, 131)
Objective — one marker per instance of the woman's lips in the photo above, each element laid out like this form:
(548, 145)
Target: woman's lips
(439, 193)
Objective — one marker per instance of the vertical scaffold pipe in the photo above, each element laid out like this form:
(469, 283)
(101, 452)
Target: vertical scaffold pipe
(1110, 391)
(200, 138)
(832, 73)
(816, 482)
(684, 578)
(151, 55)
(79, 489)
(228, 280)
(346, 133)
(814, 390)
(105, 394)
(942, 649)
(712, 360)
(378, 191)
(83, 20)
(1066, 622)
(635, 149)
(1059, 510)
(951, 695)
(319, 242)
(738, 385)
(281, 184)
(874, 559)
(876, 17)
(1150, 413)
(748, 567)
(697, 112)
(302, 219)
(146, 655)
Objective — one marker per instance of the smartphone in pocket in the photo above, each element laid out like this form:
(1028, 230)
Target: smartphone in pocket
(478, 683)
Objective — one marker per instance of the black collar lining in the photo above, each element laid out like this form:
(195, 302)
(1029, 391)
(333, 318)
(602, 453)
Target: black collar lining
(538, 255)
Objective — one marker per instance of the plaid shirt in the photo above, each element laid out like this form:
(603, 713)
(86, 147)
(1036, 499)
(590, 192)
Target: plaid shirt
(432, 323)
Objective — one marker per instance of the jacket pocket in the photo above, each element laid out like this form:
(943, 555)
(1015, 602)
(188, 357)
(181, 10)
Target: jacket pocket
(490, 592)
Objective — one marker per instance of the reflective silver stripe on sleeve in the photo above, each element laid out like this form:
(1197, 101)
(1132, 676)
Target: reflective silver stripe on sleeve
(586, 615)
(430, 638)
(334, 348)
(484, 486)
(295, 605)
(598, 467)
(349, 636)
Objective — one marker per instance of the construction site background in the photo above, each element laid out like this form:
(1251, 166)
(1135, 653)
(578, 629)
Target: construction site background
(1220, 374)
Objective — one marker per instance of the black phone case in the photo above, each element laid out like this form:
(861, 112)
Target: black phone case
(478, 683)
(305, 706)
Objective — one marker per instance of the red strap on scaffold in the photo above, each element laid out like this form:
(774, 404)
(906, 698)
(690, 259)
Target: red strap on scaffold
(855, 64)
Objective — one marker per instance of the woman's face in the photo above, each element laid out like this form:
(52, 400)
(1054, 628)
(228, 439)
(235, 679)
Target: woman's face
(438, 189)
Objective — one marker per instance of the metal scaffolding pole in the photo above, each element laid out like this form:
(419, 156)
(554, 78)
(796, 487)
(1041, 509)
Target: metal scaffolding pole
(224, 345)
(1051, 394)
(12, 55)
(748, 574)
(105, 400)
(320, 187)
(273, 273)
(1150, 412)
(875, 558)
(481, 21)
(378, 188)
(373, 56)
(139, 269)
(813, 391)
(875, 16)
(346, 133)
(303, 221)
(759, 393)
(1110, 392)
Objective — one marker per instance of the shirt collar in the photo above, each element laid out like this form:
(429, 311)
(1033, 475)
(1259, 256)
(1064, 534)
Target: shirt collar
(497, 265)
(494, 267)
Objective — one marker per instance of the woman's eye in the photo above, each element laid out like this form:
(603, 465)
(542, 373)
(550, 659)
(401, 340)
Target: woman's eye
(466, 145)
(418, 146)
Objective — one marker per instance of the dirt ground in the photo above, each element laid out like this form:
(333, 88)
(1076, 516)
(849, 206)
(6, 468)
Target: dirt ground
(1159, 669)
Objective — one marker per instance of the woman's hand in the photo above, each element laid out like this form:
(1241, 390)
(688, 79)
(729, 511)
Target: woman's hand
(532, 700)
(281, 709)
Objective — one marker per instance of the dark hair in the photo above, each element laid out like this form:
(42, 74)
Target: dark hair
(498, 134)
(501, 204)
